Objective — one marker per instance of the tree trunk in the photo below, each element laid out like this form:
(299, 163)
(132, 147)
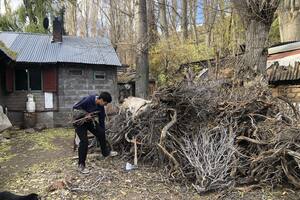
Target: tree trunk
(71, 18)
(142, 63)
(112, 19)
(210, 13)
(94, 17)
(173, 18)
(174, 15)
(7, 7)
(132, 38)
(184, 20)
(256, 37)
(193, 9)
(257, 17)
(289, 20)
(151, 22)
(163, 18)
(86, 19)
(28, 7)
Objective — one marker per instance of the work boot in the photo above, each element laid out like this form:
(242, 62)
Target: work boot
(82, 169)
(111, 154)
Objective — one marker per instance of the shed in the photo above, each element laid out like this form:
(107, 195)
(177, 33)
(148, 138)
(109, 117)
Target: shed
(283, 68)
(58, 70)
(126, 83)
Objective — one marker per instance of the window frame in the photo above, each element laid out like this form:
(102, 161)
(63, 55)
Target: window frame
(73, 70)
(27, 69)
(41, 79)
(99, 72)
(15, 79)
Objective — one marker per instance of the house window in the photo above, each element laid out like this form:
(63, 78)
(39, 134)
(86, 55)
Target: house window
(21, 79)
(35, 79)
(99, 75)
(28, 79)
(75, 72)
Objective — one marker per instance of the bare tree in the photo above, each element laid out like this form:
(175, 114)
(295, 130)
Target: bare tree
(94, 18)
(174, 15)
(193, 16)
(83, 19)
(121, 21)
(29, 10)
(112, 20)
(163, 18)
(142, 63)
(289, 20)
(152, 27)
(210, 13)
(86, 17)
(7, 7)
(184, 19)
(257, 17)
(71, 17)
(130, 34)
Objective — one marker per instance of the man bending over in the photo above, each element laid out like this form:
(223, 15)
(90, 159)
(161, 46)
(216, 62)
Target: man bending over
(84, 112)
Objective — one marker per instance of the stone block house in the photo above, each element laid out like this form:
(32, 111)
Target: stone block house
(283, 68)
(58, 70)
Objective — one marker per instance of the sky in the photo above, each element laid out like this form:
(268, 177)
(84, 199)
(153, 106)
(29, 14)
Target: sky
(13, 3)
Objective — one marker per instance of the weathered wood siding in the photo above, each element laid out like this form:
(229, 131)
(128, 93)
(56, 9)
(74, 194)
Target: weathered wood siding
(16, 101)
(16, 104)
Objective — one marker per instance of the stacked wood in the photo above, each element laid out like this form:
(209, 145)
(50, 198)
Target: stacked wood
(215, 137)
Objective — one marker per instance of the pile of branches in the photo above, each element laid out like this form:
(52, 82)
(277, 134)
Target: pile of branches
(215, 136)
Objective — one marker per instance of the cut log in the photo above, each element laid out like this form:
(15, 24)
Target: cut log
(135, 105)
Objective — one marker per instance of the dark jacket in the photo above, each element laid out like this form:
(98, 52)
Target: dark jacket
(89, 105)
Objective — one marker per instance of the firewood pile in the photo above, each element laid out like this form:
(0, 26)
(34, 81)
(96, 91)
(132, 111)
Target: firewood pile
(214, 136)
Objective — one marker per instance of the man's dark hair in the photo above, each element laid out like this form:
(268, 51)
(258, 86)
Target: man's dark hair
(105, 96)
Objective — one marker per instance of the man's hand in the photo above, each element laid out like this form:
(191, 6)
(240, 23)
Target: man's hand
(77, 114)
(85, 118)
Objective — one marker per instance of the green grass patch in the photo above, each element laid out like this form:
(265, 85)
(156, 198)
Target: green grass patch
(6, 157)
(44, 140)
(41, 176)
(5, 152)
(40, 141)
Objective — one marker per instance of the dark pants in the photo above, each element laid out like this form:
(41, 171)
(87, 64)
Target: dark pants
(96, 130)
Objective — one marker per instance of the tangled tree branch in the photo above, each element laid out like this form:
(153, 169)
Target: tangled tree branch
(214, 137)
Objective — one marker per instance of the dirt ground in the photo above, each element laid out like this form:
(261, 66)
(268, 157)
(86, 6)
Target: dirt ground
(44, 163)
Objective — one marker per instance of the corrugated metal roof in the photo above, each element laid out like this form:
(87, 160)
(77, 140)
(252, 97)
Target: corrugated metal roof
(38, 48)
(279, 73)
(284, 47)
(288, 58)
(8, 39)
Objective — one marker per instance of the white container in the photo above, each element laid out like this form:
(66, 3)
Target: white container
(30, 104)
